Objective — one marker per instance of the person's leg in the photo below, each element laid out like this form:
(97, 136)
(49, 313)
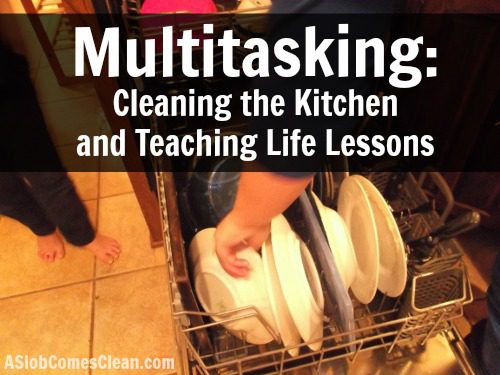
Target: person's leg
(17, 202)
(484, 338)
(21, 115)
(490, 353)
(56, 194)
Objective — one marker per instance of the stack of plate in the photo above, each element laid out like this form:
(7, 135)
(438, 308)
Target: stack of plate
(282, 295)
(293, 282)
(282, 289)
(365, 240)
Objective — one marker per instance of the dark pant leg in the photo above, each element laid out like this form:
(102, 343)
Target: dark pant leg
(56, 194)
(17, 202)
(25, 145)
(491, 340)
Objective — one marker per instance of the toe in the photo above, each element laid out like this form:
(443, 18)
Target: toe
(60, 254)
(106, 258)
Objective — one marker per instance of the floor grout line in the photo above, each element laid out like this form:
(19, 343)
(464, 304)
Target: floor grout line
(116, 194)
(31, 292)
(94, 273)
(146, 268)
(83, 281)
(89, 199)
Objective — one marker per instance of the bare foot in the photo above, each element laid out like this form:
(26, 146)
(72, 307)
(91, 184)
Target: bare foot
(106, 249)
(50, 247)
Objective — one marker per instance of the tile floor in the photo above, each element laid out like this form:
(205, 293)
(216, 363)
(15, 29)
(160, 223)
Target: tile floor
(77, 307)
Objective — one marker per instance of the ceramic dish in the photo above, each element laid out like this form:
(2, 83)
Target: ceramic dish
(217, 291)
(340, 242)
(299, 281)
(392, 273)
(284, 322)
(354, 207)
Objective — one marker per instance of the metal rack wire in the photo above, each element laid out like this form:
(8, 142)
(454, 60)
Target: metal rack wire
(430, 302)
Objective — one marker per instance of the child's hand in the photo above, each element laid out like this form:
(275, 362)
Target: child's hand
(231, 236)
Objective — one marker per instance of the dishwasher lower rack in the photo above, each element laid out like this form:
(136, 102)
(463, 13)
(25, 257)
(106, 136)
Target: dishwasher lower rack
(430, 302)
(387, 325)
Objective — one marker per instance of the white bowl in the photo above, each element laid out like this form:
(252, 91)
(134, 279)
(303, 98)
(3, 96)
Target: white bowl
(299, 282)
(219, 292)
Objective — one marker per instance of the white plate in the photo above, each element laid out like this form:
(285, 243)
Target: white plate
(354, 207)
(284, 322)
(219, 292)
(340, 242)
(392, 273)
(299, 281)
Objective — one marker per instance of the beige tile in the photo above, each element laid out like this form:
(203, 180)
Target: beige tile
(50, 23)
(114, 183)
(48, 89)
(55, 322)
(22, 271)
(73, 162)
(133, 318)
(66, 58)
(86, 183)
(64, 51)
(106, 129)
(67, 120)
(111, 163)
(121, 218)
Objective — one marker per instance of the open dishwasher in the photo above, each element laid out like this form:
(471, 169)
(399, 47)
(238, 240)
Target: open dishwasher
(387, 333)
